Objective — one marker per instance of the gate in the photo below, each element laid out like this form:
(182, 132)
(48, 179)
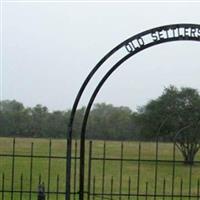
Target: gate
(132, 176)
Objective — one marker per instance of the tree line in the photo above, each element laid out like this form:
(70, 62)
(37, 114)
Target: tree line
(174, 110)
(174, 116)
(105, 121)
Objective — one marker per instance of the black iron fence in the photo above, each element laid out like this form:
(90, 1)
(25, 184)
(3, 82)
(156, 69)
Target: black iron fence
(144, 171)
(35, 169)
(30, 173)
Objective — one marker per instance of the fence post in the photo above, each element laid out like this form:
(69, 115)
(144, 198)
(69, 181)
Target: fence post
(89, 168)
(41, 191)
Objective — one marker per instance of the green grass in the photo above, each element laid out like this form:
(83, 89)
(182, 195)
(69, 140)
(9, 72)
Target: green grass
(112, 168)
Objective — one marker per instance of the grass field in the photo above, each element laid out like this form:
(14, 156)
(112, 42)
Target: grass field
(27, 170)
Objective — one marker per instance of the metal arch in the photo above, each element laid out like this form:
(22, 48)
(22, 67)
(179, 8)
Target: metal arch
(106, 76)
(87, 111)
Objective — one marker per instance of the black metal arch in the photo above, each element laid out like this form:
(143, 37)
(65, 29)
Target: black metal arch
(184, 32)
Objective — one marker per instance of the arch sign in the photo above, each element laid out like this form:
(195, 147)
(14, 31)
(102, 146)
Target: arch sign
(163, 34)
(126, 49)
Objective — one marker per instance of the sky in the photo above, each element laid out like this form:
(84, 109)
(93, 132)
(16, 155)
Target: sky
(48, 48)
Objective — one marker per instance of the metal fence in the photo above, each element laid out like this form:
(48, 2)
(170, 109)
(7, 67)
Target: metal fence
(141, 175)
(113, 170)
(29, 174)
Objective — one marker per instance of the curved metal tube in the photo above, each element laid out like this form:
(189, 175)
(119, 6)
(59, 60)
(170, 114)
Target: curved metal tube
(86, 115)
(85, 83)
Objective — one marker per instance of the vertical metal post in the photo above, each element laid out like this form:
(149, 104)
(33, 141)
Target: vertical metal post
(190, 181)
(181, 189)
(31, 172)
(41, 192)
(94, 187)
(198, 184)
(13, 170)
(57, 187)
(173, 169)
(89, 168)
(121, 170)
(103, 170)
(129, 188)
(156, 170)
(68, 161)
(49, 170)
(82, 167)
(111, 188)
(39, 179)
(75, 166)
(138, 176)
(164, 188)
(21, 186)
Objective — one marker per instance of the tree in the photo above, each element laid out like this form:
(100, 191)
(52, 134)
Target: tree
(174, 116)
(57, 124)
(39, 122)
(13, 118)
(109, 122)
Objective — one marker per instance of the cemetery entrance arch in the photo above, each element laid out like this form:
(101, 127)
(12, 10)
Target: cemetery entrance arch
(125, 50)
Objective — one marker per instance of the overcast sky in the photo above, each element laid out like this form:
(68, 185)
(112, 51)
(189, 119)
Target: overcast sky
(48, 49)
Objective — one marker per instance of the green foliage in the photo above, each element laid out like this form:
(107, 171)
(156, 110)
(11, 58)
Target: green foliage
(18, 121)
(105, 122)
(12, 118)
(175, 116)
(109, 122)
